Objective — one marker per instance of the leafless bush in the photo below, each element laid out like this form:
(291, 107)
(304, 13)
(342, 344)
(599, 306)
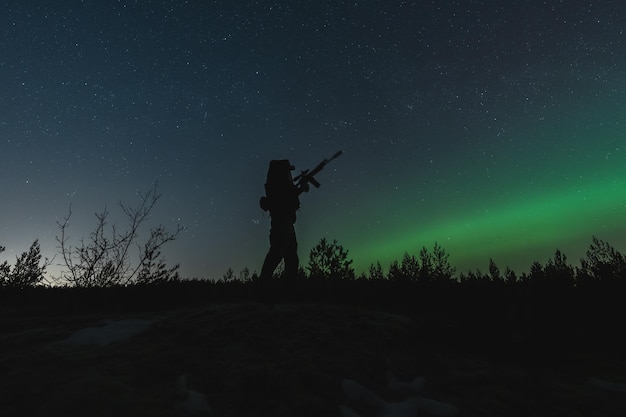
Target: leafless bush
(104, 259)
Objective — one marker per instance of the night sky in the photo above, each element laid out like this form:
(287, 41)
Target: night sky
(495, 128)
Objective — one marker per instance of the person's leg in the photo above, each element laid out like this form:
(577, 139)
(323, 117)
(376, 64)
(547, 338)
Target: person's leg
(292, 263)
(272, 259)
(277, 250)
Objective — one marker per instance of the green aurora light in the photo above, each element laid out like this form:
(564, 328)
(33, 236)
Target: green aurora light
(514, 232)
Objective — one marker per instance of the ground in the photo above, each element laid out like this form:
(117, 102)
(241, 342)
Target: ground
(281, 359)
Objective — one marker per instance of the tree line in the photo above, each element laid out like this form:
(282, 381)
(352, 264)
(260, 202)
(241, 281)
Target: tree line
(330, 261)
(105, 262)
(110, 256)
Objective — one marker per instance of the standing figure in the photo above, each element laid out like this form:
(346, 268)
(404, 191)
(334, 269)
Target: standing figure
(282, 200)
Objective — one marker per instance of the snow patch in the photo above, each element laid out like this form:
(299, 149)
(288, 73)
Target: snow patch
(436, 408)
(406, 408)
(193, 402)
(111, 331)
(415, 386)
(607, 385)
(356, 395)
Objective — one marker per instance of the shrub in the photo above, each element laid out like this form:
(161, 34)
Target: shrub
(330, 260)
(28, 270)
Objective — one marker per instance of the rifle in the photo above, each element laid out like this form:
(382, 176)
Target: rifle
(306, 176)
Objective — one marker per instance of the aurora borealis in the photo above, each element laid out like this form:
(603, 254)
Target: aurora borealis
(497, 130)
(520, 209)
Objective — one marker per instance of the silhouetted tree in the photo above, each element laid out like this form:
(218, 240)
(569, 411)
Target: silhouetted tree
(395, 272)
(509, 276)
(330, 260)
(376, 271)
(409, 268)
(473, 276)
(603, 261)
(229, 275)
(441, 267)
(523, 277)
(27, 271)
(244, 275)
(104, 259)
(425, 265)
(425, 268)
(5, 269)
(536, 273)
(494, 271)
(470, 276)
(558, 271)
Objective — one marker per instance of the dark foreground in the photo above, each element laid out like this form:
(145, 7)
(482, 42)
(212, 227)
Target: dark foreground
(252, 350)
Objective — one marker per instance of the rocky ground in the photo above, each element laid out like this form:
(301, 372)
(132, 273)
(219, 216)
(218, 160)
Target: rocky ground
(282, 359)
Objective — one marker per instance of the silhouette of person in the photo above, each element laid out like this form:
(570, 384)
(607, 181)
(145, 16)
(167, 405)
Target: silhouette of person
(282, 200)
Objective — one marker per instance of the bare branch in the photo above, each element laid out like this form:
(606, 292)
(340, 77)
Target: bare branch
(104, 259)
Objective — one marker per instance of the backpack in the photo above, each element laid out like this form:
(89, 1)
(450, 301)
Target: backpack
(281, 195)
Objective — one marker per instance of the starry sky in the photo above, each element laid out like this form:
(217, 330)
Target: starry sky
(496, 129)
